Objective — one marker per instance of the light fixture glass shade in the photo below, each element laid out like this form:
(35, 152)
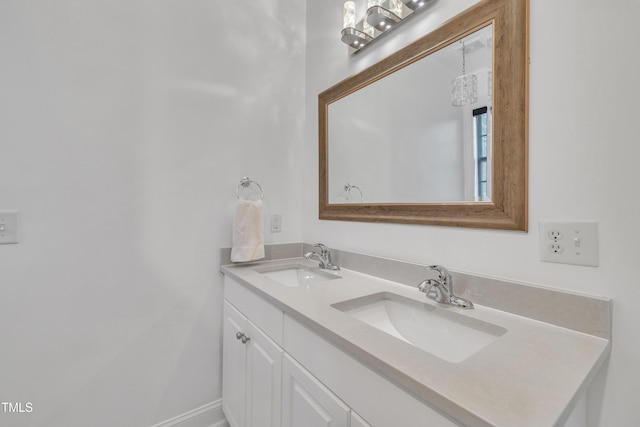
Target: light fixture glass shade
(395, 7)
(464, 90)
(371, 3)
(368, 29)
(349, 14)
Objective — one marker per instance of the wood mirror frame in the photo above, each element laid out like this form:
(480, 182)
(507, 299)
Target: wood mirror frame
(508, 206)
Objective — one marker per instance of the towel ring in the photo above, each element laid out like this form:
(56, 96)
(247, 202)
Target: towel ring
(348, 187)
(245, 182)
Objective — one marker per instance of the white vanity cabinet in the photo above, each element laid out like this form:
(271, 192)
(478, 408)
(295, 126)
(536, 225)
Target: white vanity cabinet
(252, 374)
(308, 403)
(335, 370)
(287, 375)
(263, 386)
(378, 400)
(234, 356)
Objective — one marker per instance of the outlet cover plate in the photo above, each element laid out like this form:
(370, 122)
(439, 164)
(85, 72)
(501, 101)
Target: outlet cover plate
(569, 242)
(276, 223)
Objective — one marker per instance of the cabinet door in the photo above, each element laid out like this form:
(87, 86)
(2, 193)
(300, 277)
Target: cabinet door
(234, 356)
(308, 403)
(264, 379)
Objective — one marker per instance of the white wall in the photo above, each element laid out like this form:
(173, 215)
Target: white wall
(583, 165)
(125, 127)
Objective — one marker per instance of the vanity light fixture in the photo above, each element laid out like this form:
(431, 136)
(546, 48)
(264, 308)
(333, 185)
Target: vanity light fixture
(351, 35)
(465, 87)
(361, 27)
(384, 18)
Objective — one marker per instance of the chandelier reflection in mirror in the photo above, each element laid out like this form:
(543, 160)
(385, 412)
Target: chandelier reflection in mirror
(364, 20)
(465, 87)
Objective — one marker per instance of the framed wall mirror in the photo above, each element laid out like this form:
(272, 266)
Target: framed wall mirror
(394, 148)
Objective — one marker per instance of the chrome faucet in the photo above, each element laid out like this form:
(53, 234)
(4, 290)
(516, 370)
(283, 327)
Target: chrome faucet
(441, 289)
(324, 257)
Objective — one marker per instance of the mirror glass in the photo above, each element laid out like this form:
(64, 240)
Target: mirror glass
(400, 139)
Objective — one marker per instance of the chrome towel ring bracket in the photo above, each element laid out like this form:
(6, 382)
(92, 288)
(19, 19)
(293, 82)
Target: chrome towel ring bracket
(348, 187)
(245, 182)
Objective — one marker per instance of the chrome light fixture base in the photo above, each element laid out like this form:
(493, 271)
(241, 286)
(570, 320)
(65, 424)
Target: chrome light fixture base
(381, 19)
(355, 38)
(415, 4)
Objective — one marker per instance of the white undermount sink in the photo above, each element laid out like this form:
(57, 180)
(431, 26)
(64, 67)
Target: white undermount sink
(446, 334)
(295, 275)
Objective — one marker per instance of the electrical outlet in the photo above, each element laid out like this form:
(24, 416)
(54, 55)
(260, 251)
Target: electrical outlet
(569, 242)
(276, 223)
(556, 248)
(555, 235)
(8, 227)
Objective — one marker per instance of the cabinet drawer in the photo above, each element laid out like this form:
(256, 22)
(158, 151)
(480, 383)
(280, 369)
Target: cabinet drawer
(260, 312)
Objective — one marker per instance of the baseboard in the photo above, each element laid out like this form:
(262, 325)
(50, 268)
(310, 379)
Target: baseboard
(209, 415)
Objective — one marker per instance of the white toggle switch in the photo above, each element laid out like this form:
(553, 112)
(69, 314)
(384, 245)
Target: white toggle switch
(8, 227)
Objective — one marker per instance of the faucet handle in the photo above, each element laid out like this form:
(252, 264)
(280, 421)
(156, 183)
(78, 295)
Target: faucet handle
(427, 285)
(443, 272)
(323, 248)
(435, 289)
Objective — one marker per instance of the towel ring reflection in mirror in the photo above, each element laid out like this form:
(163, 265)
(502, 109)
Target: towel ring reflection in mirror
(244, 183)
(347, 189)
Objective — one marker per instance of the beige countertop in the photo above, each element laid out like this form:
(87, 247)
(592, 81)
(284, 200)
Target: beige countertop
(532, 375)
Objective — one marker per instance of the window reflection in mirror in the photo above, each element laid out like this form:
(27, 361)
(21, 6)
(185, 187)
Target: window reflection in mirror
(481, 124)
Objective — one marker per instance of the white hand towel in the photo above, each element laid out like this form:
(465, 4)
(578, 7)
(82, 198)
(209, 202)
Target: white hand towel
(248, 238)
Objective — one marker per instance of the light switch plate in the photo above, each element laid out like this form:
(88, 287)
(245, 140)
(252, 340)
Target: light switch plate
(276, 223)
(569, 242)
(8, 227)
